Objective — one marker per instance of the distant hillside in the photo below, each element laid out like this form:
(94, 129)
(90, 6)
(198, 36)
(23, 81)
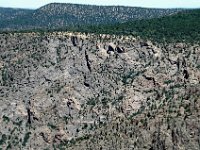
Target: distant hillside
(58, 15)
(181, 27)
(10, 13)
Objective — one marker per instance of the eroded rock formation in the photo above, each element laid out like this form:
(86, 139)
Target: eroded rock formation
(62, 87)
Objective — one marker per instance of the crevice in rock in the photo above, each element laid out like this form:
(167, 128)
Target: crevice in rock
(120, 49)
(74, 40)
(85, 82)
(185, 74)
(47, 80)
(150, 78)
(88, 61)
(29, 113)
(110, 48)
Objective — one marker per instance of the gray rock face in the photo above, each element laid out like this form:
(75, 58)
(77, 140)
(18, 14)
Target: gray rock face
(60, 86)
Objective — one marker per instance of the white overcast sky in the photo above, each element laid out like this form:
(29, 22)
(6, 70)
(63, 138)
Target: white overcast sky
(141, 3)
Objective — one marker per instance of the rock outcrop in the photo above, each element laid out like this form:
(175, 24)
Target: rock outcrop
(69, 90)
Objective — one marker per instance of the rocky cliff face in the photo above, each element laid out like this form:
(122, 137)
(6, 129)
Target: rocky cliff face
(76, 91)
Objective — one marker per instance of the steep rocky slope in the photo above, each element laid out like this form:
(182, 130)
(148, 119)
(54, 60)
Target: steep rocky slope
(56, 15)
(74, 91)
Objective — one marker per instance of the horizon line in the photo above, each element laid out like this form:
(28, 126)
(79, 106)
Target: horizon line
(35, 8)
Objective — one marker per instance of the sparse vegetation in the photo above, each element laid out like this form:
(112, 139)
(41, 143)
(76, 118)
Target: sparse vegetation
(84, 93)
(26, 138)
(65, 15)
(181, 27)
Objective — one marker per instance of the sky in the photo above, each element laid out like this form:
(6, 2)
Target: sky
(141, 3)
